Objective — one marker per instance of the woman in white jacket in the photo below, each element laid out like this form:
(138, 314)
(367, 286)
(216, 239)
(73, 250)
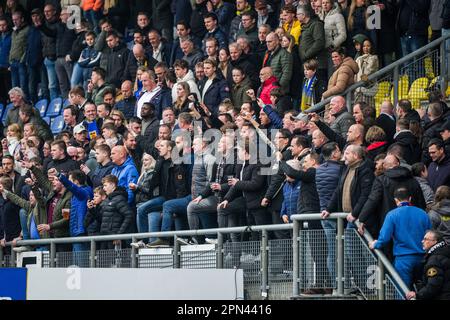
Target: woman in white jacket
(368, 63)
(335, 29)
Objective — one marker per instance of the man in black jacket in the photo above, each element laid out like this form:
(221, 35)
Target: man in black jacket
(9, 214)
(273, 199)
(381, 200)
(386, 120)
(436, 270)
(60, 160)
(408, 141)
(213, 90)
(116, 57)
(150, 126)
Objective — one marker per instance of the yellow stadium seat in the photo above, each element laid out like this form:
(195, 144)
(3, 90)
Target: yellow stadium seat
(382, 94)
(418, 92)
(403, 85)
(429, 72)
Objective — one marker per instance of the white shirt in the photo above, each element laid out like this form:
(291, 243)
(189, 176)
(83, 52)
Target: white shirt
(146, 97)
(157, 54)
(207, 85)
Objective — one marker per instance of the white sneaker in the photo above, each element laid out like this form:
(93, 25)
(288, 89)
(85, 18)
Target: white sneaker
(211, 241)
(22, 249)
(138, 245)
(183, 241)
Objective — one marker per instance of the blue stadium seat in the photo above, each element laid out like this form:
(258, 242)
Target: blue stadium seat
(57, 124)
(47, 119)
(42, 105)
(9, 106)
(54, 108)
(2, 108)
(66, 103)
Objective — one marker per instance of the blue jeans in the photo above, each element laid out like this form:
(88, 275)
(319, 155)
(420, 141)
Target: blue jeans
(53, 84)
(329, 226)
(175, 209)
(143, 213)
(410, 44)
(78, 250)
(405, 266)
(80, 75)
(24, 224)
(19, 76)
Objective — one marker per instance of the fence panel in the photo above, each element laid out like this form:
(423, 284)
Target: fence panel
(280, 269)
(391, 290)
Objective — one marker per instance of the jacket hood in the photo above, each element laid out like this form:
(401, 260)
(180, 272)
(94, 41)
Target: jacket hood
(127, 162)
(444, 209)
(398, 173)
(188, 76)
(406, 137)
(120, 191)
(269, 81)
(350, 63)
(335, 10)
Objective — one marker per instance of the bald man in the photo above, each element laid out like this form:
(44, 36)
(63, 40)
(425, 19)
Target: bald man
(343, 119)
(124, 170)
(135, 60)
(127, 103)
(381, 198)
(279, 60)
(268, 82)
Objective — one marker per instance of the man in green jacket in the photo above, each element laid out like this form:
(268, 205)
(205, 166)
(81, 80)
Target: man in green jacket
(279, 60)
(312, 39)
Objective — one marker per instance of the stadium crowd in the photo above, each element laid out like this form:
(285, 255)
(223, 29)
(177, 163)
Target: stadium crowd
(190, 115)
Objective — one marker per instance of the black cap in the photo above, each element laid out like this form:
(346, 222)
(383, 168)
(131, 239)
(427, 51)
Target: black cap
(445, 126)
(36, 11)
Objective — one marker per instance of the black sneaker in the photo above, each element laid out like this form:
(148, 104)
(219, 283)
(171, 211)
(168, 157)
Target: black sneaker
(158, 243)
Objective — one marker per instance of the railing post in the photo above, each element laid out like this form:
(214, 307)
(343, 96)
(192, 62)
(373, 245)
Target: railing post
(176, 253)
(219, 254)
(381, 281)
(349, 100)
(92, 254)
(264, 264)
(396, 82)
(444, 70)
(340, 256)
(295, 258)
(12, 261)
(133, 254)
(52, 255)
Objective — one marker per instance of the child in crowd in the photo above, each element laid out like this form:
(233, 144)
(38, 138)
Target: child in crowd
(93, 219)
(89, 58)
(313, 86)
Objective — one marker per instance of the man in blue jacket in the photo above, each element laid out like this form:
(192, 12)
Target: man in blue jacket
(406, 225)
(81, 193)
(213, 90)
(125, 170)
(5, 47)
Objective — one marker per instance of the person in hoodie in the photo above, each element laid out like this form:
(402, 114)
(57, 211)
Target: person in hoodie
(440, 212)
(117, 216)
(116, 57)
(184, 74)
(344, 74)
(103, 168)
(420, 173)
(124, 170)
(380, 199)
(88, 59)
(81, 194)
(439, 169)
(241, 84)
(408, 141)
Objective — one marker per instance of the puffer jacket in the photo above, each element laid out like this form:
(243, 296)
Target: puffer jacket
(49, 42)
(266, 87)
(295, 30)
(440, 218)
(116, 214)
(327, 179)
(342, 78)
(281, 63)
(78, 205)
(335, 28)
(344, 120)
(291, 193)
(239, 93)
(190, 79)
(126, 173)
(312, 43)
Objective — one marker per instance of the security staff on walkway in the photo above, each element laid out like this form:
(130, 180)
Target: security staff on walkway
(436, 271)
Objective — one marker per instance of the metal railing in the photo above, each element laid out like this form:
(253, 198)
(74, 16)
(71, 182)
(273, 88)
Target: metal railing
(275, 269)
(426, 68)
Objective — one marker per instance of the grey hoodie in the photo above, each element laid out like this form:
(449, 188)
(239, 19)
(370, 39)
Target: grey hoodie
(440, 218)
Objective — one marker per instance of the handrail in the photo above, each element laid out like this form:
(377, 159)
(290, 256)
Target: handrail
(382, 72)
(385, 261)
